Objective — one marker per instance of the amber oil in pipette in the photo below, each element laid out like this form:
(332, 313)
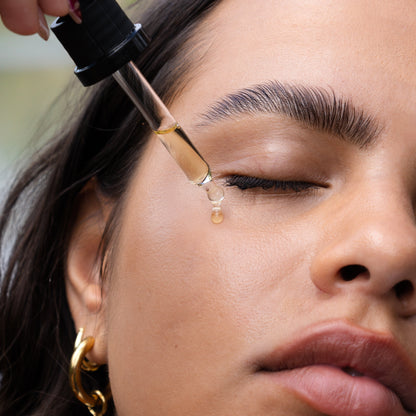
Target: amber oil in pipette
(194, 166)
(170, 134)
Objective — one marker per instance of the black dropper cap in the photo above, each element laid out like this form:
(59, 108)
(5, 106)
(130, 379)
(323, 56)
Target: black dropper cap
(104, 41)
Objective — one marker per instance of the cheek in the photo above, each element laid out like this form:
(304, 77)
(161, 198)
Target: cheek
(187, 298)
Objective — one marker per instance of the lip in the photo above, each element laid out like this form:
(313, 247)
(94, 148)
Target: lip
(311, 366)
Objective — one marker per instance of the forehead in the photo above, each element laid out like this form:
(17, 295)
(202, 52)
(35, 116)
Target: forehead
(365, 49)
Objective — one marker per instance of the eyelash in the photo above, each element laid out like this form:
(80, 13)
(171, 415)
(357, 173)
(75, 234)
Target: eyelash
(250, 182)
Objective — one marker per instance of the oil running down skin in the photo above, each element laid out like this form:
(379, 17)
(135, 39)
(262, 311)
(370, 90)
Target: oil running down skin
(194, 166)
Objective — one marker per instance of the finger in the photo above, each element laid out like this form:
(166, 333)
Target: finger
(54, 7)
(20, 16)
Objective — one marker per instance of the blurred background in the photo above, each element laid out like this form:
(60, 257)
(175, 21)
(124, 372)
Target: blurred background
(32, 74)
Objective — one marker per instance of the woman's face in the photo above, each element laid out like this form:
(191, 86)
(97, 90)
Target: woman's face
(303, 301)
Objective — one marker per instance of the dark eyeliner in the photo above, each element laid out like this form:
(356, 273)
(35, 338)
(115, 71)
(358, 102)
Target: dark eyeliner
(250, 182)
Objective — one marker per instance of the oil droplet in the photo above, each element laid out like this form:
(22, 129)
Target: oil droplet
(215, 195)
(215, 192)
(217, 216)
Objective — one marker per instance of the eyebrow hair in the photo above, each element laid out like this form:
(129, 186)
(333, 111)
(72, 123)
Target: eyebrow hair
(314, 107)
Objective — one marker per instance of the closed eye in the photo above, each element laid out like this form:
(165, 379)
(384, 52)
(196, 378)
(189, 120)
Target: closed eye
(277, 186)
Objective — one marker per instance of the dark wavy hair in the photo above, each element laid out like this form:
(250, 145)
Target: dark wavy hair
(104, 140)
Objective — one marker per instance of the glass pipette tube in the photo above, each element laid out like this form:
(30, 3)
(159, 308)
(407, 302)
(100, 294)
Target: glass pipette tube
(170, 134)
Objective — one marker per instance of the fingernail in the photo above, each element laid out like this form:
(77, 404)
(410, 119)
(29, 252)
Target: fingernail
(43, 31)
(75, 11)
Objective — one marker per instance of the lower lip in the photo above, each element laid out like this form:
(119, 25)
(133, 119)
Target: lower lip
(336, 393)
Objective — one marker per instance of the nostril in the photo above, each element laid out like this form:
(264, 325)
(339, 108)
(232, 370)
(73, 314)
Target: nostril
(352, 271)
(404, 290)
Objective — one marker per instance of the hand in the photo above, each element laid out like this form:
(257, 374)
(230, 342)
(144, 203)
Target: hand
(26, 17)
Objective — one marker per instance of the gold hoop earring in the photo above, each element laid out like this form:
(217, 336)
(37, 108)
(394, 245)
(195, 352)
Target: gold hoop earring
(95, 400)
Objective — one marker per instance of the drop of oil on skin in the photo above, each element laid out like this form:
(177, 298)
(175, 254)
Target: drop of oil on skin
(215, 195)
(217, 216)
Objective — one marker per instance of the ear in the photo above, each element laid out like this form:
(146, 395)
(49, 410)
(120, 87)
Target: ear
(85, 289)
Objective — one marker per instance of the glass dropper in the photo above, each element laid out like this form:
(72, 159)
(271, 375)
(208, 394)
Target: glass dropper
(103, 41)
(170, 134)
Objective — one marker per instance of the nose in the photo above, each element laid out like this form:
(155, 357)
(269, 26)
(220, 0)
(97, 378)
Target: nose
(370, 248)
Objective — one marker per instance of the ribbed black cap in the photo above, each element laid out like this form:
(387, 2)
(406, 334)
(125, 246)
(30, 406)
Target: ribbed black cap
(104, 41)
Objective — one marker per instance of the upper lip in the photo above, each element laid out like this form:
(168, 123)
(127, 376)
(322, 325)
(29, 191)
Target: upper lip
(340, 344)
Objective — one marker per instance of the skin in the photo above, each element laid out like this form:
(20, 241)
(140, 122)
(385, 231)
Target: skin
(26, 17)
(189, 306)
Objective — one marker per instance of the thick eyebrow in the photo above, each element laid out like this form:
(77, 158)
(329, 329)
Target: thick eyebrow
(313, 107)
